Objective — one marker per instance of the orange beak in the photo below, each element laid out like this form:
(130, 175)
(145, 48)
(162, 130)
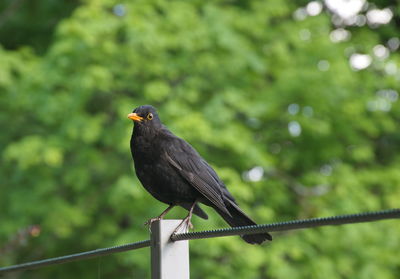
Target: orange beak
(135, 117)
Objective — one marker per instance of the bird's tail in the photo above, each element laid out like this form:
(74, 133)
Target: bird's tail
(238, 218)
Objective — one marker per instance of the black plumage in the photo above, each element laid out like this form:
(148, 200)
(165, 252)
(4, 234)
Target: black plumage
(174, 173)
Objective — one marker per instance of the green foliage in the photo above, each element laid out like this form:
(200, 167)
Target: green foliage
(237, 80)
(31, 22)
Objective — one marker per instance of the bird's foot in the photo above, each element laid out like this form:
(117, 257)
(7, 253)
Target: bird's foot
(158, 218)
(150, 221)
(189, 224)
(185, 222)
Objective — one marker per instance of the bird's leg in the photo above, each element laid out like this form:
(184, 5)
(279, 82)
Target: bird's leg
(148, 223)
(187, 219)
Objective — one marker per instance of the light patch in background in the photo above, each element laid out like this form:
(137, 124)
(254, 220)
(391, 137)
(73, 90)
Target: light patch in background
(314, 8)
(254, 122)
(307, 191)
(345, 8)
(381, 52)
(255, 174)
(323, 65)
(293, 109)
(391, 68)
(378, 17)
(360, 61)
(360, 20)
(389, 94)
(340, 35)
(308, 111)
(347, 12)
(393, 43)
(383, 100)
(300, 14)
(305, 34)
(379, 104)
(326, 170)
(119, 10)
(294, 128)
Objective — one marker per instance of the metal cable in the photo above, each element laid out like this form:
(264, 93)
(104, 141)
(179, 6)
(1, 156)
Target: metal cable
(281, 226)
(292, 225)
(75, 257)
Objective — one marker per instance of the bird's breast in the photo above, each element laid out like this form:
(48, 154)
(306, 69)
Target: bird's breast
(144, 150)
(156, 174)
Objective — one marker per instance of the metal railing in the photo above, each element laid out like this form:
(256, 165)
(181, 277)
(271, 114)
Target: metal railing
(163, 241)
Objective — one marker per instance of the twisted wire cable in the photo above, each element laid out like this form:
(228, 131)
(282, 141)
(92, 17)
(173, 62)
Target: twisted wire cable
(293, 225)
(281, 226)
(75, 257)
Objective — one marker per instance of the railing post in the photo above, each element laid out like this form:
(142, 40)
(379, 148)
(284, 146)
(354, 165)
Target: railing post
(169, 260)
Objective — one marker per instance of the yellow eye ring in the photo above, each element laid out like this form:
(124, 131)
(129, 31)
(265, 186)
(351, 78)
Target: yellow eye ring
(150, 116)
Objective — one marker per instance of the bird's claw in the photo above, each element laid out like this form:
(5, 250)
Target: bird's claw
(187, 223)
(190, 225)
(150, 221)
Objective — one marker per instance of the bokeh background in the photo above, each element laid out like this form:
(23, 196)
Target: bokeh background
(294, 103)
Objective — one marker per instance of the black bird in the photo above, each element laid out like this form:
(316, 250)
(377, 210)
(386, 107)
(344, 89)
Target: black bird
(174, 173)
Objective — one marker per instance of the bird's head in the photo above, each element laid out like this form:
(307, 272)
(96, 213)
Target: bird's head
(145, 116)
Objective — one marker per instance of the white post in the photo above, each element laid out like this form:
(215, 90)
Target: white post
(169, 260)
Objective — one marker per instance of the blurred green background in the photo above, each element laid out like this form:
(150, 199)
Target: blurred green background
(295, 104)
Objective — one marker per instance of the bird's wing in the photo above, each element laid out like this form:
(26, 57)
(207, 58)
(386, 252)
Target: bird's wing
(196, 171)
(215, 176)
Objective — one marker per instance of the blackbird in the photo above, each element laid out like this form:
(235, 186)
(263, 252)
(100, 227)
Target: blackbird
(174, 173)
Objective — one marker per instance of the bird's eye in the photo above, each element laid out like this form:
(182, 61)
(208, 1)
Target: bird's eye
(150, 116)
